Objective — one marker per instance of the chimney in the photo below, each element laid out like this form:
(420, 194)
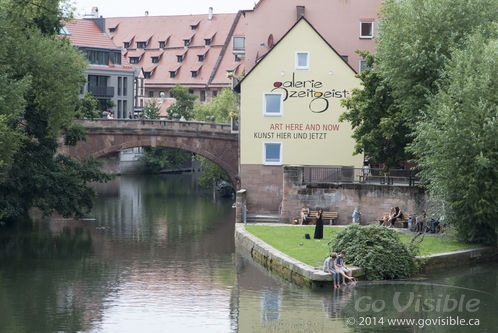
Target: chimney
(210, 17)
(95, 12)
(300, 11)
(94, 16)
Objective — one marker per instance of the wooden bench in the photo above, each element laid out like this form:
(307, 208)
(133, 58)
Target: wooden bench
(400, 223)
(331, 216)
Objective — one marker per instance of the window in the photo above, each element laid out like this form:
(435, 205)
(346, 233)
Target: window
(134, 60)
(147, 75)
(172, 74)
(272, 153)
(120, 85)
(64, 31)
(111, 30)
(179, 58)
(237, 58)
(186, 42)
(162, 44)
(194, 27)
(155, 60)
(126, 45)
(215, 93)
(302, 60)
(272, 104)
(116, 58)
(125, 86)
(151, 93)
(345, 58)
(203, 95)
(363, 66)
(97, 57)
(238, 44)
(194, 73)
(207, 41)
(141, 45)
(125, 109)
(366, 29)
(200, 57)
(191, 91)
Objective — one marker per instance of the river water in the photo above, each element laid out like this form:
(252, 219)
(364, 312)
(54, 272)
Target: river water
(157, 255)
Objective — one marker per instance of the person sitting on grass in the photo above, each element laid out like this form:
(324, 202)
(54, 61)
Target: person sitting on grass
(341, 267)
(329, 267)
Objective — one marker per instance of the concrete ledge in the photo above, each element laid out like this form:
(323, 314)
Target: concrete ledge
(456, 258)
(283, 265)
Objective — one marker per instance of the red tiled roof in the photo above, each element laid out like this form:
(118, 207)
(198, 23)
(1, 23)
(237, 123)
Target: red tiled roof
(85, 33)
(176, 29)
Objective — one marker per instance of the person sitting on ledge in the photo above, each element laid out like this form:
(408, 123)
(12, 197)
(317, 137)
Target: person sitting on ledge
(342, 269)
(330, 268)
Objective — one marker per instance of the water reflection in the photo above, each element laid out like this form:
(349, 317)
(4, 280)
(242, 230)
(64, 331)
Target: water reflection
(157, 255)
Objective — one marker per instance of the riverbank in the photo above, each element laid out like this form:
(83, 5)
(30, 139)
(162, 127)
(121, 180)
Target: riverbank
(295, 258)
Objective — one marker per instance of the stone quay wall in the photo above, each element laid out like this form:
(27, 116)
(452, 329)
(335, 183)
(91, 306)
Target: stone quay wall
(371, 200)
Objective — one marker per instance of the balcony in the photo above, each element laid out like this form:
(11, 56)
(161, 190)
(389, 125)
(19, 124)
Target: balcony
(102, 91)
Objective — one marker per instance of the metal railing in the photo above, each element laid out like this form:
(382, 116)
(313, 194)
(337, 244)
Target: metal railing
(350, 175)
(102, 91)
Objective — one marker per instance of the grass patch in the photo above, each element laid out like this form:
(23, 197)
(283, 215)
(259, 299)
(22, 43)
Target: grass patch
(433, 244)
(287, 239)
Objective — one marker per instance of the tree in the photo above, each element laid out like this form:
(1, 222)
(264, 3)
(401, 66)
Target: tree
(416, 38)
(151, 110)
(378, 127)
(210, 171)
(221, 107)
(456, 141)
(158, 158)
(184, 105)
(415, 41)
(45, 73)
(87, 107)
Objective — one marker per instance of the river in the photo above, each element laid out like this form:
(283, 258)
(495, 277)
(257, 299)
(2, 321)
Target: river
(157, 255)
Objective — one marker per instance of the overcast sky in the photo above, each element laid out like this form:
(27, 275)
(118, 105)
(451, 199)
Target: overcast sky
(114, 8)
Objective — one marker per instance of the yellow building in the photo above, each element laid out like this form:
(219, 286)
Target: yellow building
(290, 104)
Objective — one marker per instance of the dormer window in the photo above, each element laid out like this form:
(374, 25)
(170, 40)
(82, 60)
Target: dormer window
(134, 60)
(155, 60)
(179, 58)
(162, 44)
(200, 57)
(238, 44)
(186, 42)
(126, 45)
(237, 58)
(207, 41)
(194, 27)
(172, 74)
(147, 75)
(194, 73)
(111, 30)
(141, 45)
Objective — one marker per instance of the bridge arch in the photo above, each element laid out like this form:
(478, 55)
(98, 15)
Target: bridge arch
(211, 140)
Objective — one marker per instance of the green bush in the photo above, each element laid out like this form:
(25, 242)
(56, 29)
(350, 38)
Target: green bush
(378, 250)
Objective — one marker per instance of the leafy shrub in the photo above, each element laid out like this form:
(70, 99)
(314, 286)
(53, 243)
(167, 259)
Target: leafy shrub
(378, 250)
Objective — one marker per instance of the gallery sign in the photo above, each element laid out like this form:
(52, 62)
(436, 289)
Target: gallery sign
(309, 89)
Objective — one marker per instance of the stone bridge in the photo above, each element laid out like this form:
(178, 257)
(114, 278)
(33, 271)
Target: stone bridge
(211, 140)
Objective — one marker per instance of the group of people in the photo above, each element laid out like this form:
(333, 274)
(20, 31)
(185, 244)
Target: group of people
(334, 265)
(305, 212)
(390, 220)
